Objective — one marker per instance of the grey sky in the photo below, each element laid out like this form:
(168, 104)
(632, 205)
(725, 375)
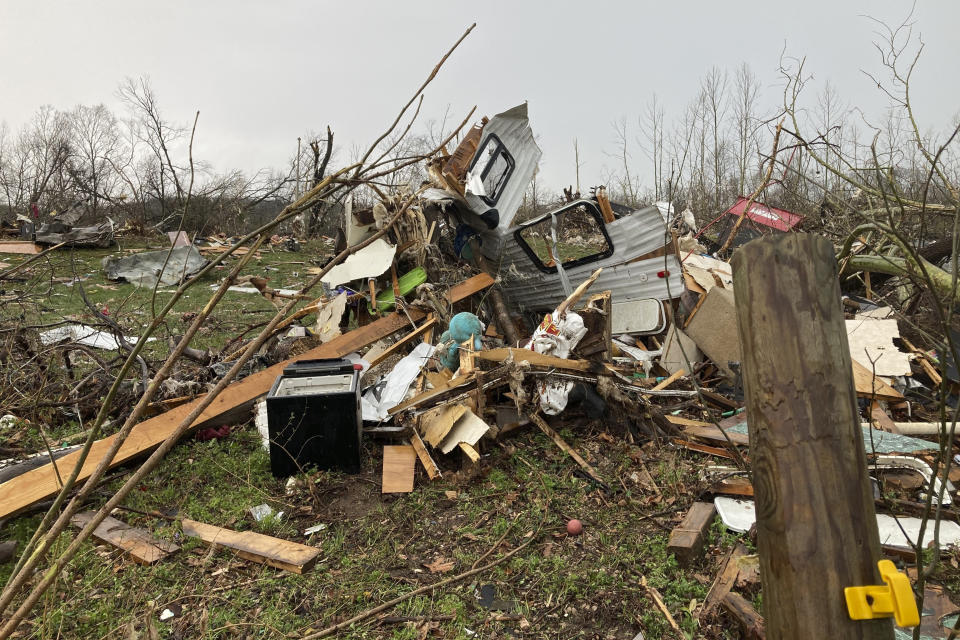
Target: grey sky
(262, 73)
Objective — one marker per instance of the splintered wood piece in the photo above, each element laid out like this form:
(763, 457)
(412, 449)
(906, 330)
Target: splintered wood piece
(468, 429)
(686, 540)
(438, 422)
(470, 451)
(577, 294)
(140, 544)
(467, 356)
(433, 471)
(399, 462)
(869, 386)
(256, 547)
(751, 622)
(560, 442)
(724, 581)
(392, 349)
(669, 381)
(41, 483)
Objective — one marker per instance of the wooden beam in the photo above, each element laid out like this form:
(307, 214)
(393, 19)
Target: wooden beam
(539, 360)
(669, 381)
(433, 471)
(235, 401)
(139, 544)
(256, 547)
(392, 349)
(808, 461)
(687, 539)
(16, 246)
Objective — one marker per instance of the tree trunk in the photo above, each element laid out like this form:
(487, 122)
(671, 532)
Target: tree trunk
(816, 525)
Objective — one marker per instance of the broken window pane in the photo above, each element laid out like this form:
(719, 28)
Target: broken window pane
(494, 164)
(581, 237)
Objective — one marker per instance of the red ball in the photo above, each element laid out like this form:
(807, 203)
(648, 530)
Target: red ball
(574, 527)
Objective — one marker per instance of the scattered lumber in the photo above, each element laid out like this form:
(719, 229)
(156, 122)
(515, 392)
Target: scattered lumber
(39, 484)
(687, 539)
(139, 544)
(256, 547)
(669, 381)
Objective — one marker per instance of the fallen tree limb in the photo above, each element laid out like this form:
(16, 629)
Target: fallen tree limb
(941, 280)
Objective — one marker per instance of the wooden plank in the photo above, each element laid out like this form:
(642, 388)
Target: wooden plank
(470, 451)
(724, 581)
(560, 442)
(669, 381)
(433, 471)
(687, 422)
(719, 400)
(14, 246)
(687, 539)
(399, 465)
(389, 351)
(869, 386)
(702, 448)
(139, 544)
(41, 483)
(714, 434)
(426, 396)
(538, 359)
(256, 547)
(750, 622)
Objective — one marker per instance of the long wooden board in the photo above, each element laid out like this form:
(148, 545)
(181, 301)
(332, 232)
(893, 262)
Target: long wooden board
(140, 544)
(538, 359)
(41, 483)
(256, 547)
(15, 246)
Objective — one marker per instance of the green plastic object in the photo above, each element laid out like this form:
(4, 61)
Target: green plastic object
(406, 283)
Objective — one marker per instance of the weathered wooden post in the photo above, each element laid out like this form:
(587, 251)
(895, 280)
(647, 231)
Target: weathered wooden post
(816, 525)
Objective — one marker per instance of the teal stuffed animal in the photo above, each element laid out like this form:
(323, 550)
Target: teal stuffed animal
(462, 326)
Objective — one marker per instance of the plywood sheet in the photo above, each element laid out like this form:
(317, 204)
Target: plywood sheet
(399, 464)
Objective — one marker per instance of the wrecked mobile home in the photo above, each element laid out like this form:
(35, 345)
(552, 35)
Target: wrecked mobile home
(505, 402)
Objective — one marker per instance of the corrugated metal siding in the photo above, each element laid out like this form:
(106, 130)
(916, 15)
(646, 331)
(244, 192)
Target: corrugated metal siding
(513, 129)
(632, 236)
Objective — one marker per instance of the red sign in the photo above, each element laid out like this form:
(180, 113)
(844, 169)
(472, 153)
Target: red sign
(778, 219)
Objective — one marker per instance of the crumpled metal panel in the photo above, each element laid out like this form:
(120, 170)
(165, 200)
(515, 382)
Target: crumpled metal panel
(99, 235)
(513, 129)
(632, 236)
(144, 269)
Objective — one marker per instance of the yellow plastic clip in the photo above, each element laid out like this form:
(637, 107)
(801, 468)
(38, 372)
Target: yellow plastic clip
(881, 601)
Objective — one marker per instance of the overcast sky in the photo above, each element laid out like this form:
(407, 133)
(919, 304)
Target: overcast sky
(262, 73)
